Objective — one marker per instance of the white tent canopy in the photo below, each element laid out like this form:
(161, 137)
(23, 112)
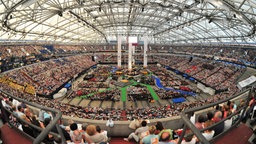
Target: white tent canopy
(61, 93)
(246, 82)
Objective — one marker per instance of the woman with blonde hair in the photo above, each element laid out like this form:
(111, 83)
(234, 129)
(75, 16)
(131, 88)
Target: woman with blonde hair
(151, 138)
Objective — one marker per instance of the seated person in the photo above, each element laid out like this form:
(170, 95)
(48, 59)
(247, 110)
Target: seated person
(208, 134)
(25, 127)
(228, 122)
(99, 130)
(159, 127)
(151, 138)
(77, 137)
(165, 138)
(75, 134)
(220, 127)
(135, 124)
(189, 138)
(137, 134)
(200, 121)
(94, 136)
(54, 129)
(169, 131)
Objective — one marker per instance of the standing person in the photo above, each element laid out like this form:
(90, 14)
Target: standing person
(137, 134)
(110, 123)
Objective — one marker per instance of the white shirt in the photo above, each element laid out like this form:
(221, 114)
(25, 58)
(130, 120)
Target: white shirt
(193, 119)
(15, 103)
(4, 104)
(208, 136)
(141, 130)
(227, 124)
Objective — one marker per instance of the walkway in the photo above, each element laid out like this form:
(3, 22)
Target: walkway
(123, 93)
(159, 85)
(152, 91)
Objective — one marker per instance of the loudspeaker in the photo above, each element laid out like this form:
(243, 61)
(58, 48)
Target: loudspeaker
(93, 58)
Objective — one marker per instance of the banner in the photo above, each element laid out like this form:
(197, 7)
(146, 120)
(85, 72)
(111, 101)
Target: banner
(13, 84)
(30, 89)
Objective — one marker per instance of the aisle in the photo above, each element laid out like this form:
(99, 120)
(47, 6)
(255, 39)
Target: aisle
(123, 94)
(160, 86)
(158, 83)
(152, 92)
(120, 140)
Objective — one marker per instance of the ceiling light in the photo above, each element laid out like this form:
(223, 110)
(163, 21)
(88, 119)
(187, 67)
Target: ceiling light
(158, 1)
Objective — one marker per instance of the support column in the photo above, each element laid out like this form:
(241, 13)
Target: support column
(119, 54)
(133, 55)
(130, 57)
(145, 59)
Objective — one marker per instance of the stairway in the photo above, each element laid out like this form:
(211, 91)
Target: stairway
(123, 115)
(101, 103)
(158, 102)
(124, 105)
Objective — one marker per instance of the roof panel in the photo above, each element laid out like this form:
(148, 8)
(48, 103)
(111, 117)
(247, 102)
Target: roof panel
(171, 21)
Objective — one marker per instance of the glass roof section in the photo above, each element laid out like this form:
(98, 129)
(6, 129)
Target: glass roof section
(101, 21)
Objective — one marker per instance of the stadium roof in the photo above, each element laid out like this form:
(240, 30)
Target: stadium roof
(101, 21)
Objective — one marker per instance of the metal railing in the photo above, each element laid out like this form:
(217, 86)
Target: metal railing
(44, 132)
(185, 116)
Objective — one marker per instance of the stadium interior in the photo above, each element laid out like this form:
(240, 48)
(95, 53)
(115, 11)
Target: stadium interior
(128, 71)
